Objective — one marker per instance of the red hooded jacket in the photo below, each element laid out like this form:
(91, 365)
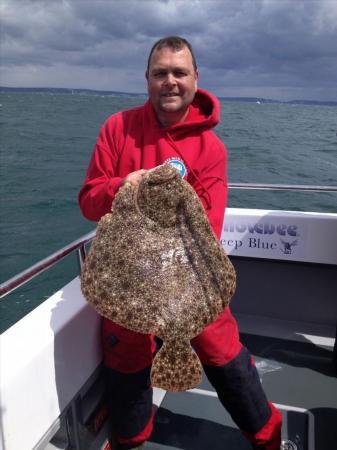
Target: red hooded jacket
(133, 139)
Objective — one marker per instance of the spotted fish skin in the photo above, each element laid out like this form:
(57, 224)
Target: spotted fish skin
(176, 367)
(155, 266)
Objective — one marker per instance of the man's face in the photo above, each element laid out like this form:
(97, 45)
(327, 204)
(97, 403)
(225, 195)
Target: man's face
(172, 80)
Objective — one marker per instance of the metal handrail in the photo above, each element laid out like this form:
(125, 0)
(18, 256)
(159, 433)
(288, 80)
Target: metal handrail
(282, 187)
(18, 280)
(23, 277)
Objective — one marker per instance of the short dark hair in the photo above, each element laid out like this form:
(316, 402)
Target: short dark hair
(176, 43)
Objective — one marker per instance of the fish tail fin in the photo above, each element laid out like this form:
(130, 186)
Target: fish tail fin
(176, 367)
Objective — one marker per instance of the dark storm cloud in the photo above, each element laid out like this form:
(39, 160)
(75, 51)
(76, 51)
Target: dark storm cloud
(276, 48)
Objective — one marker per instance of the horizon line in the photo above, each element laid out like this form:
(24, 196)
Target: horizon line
(254, 98)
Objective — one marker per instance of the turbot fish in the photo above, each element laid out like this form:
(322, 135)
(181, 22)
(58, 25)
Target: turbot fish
(155, 266)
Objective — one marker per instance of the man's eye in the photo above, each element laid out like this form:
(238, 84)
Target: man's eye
(179, 73)
(159, 74)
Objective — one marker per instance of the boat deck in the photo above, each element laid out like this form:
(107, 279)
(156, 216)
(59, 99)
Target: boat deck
(299, 377)
(287, 317)
(286, 310)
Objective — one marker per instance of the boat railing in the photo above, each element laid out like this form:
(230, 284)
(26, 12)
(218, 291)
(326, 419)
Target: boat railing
(79, 245)
(23, 277)
(282, 187)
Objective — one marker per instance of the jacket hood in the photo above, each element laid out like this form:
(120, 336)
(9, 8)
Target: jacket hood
(204, 113)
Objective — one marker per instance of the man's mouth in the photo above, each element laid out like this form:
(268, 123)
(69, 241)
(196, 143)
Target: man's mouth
(171, 94)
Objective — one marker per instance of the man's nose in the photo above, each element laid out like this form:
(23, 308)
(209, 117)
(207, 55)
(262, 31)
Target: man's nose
(170, 79)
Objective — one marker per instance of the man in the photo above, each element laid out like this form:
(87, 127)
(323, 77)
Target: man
(173, 126)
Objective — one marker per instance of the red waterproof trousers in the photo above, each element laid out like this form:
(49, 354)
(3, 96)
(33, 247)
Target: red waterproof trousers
(227, 364)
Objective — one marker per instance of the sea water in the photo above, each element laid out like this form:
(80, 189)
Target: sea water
(47, 141)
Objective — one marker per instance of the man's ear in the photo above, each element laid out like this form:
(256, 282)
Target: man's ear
(196, 77)
(147, 75)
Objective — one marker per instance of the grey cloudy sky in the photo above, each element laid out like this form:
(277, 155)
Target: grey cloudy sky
(282, 49)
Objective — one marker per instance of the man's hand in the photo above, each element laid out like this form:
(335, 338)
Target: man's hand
(134, 178)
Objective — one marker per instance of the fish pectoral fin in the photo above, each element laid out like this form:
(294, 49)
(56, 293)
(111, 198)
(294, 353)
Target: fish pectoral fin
(176, 367)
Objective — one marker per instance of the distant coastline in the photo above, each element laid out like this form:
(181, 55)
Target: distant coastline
(69, 91)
